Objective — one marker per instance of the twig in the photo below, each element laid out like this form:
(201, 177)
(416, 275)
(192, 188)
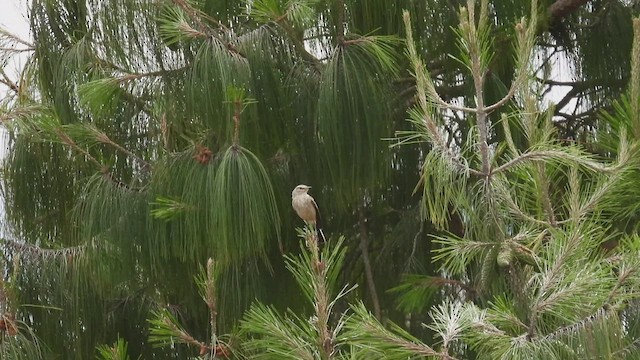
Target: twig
(425, 85)
(237, 110)
(69, 141)
(16, 38)
(340, 22)
(544, 193)
(212, 304)
(478, 73)
(440, 281)
(205, 29)
(102, 137)
(364, 247)
(7, 81)
(104, 170)
(45, 253)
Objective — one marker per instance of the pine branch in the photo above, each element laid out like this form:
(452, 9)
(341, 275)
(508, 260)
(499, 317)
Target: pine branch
(600, 314)
(525, 35)
(7, 81)
(365, 331)
(321, 297)
(298, 43)
(210, 299)
(104, 170)
(104, 138)
(426, 92)
(292, 337)
(559, 155)
(204, 29)
(478, 72)
(634, 81)
(543, 192)
(40, 252)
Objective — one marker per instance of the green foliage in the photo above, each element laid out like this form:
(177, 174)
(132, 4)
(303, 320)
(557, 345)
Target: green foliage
(116, 352)
(146, 137)
(289, 336)
(357, 72)
(244, 210)
(18, 342)
(372, 339)
(415, 292)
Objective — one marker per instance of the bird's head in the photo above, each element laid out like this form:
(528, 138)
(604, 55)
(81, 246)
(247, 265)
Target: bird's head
(300, 189)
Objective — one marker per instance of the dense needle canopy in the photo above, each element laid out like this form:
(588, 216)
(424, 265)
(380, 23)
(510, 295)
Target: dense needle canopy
(478, 157)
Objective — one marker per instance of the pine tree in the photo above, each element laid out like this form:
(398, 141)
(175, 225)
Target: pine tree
(147, 137)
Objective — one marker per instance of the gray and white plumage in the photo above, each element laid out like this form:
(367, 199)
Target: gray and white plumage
(306, 207)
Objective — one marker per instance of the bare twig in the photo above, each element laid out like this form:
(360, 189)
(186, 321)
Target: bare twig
(205, 29)
(45, 253)
(104, 170)
(364, 248)
(7, 81)
(103, 138)
(340, 22)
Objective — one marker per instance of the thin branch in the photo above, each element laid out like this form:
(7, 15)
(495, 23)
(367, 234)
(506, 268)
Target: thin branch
(69, 141)
(571, 329)
(340, 22)
(205, 29)
(364, 248)
(298, 43)
(578, 87)
(504, 100)
(425, 85)
(237, 110)
(544, 193)
(38, 251)
(375, 330)
(478, 72)
(14, 50)
(7, 81)
(440, 281)
(104, 170)
(627, 350)
(103, 138)
(548, 154)
(414, 247)
(16, 38)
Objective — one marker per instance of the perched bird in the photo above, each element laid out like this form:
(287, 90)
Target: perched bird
(306, 207)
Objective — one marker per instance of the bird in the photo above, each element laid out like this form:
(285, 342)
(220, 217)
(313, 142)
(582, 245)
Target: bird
(306, 207)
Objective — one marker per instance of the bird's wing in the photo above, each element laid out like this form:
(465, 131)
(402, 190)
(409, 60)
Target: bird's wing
(315, 206)
(318, 220)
